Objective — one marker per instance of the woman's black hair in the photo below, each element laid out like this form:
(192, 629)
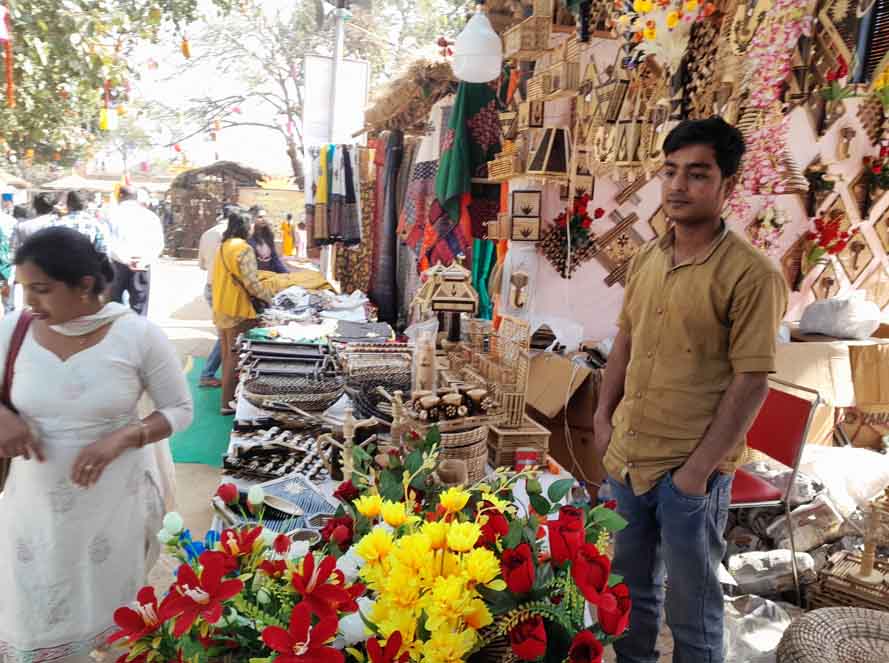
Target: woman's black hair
(262, 232)
(21, 212)
(67, 256)
(238, 226)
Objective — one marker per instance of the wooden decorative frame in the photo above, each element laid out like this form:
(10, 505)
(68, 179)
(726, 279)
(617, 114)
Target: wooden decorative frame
(526, 203)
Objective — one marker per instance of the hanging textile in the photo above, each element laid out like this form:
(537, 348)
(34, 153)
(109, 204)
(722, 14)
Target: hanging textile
(353, 264)
(383, 287)
(407, 275)
(333, 210)
(483, 258)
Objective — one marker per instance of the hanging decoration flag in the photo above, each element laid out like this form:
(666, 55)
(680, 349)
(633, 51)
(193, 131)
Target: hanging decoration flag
(6, 40)
(185, 47)
(177, 147)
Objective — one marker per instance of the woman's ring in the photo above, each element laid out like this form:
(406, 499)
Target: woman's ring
(88, 467)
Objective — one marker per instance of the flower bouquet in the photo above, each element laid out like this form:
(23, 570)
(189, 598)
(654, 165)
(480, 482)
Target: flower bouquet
(569, 240)
(837, 90)
(881, 89)
(877, 169)
(768, 228)
(247, 594)
(827, 239)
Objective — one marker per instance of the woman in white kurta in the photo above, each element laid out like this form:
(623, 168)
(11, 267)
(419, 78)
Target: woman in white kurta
(82, 502)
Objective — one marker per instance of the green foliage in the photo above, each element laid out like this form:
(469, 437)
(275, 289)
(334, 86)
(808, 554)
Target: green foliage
(607, 519)
(390, 486)
(540, 503)
(558, 490)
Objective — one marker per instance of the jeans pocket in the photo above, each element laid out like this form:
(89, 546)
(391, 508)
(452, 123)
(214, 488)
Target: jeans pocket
(685, 496)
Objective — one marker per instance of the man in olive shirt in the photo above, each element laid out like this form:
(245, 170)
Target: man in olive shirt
(685, 380)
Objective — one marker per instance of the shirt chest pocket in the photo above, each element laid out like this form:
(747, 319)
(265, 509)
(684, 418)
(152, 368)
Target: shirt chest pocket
(697, 315)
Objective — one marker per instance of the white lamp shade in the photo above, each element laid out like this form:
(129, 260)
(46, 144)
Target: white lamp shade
(478, 51)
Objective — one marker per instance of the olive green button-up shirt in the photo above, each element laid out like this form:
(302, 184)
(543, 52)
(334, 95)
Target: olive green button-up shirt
(693, 327)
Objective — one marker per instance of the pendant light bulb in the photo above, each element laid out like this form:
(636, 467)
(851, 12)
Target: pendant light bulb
(478, 51)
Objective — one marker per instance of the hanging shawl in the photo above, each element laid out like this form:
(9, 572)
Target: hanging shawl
(383, 285)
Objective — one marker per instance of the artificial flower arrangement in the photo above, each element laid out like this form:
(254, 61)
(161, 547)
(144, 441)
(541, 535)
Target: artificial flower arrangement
(661, 27)
(837, 90)
(246, 593)
(768, 228)
(877, 168)
(568, 241)
(827, 239)
(579, 223)
(881, 89)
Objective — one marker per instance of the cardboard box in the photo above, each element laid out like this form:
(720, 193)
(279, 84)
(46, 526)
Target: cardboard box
(823, 366)
(576, 454)
(552, 381)
(867, 423)
(582, 407)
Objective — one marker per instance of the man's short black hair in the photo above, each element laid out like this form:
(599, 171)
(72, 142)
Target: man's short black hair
(725, 139)
(44, 203)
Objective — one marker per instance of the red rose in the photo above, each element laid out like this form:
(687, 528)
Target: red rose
(611, 504)
(282, 544)
(832, 75)
(842, 69)
(517, 567)
(496, 527)
(590, 572)
(613, 610)
(566, 534)
(877, 169)
(884, 151)
(585, 648)
(346, 492)
(528, 639)
(339, 530)
(599, 213)
(228, 493)
(586, 223)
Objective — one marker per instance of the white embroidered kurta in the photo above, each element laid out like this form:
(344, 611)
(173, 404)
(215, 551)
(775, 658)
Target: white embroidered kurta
(70, 556)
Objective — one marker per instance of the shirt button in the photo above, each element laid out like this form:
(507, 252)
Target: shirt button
(660, 311)
(631, 465)
(650, 355)
(631, 433)
(638, 394)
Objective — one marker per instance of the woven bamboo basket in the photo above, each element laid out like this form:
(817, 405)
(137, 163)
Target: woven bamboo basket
(538, 86)
(505, 167)
(308, 393)
(528, 40)
(503, 442)
(838, 635)
(473, 453)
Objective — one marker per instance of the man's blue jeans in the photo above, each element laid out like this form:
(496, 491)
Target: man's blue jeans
(214, 361)
(683, 536)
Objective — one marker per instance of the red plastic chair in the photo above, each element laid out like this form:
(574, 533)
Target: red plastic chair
(779, 431)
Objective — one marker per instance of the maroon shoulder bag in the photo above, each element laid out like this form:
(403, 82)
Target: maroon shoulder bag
(15, 344)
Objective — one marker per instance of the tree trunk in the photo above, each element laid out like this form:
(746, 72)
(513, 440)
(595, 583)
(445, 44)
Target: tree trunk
(296, 163)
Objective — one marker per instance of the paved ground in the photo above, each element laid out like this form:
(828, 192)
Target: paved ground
(177, 304)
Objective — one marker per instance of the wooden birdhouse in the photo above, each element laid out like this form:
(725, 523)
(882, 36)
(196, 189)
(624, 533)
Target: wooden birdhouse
(528, 40)
(447, 293)
(564, 79)
(531, 115)
(539, 86)
(552, 157)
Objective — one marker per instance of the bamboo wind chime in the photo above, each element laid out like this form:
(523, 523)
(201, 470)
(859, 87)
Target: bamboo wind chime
(6, 38)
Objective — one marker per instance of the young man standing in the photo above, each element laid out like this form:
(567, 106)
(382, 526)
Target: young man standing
(684, 382)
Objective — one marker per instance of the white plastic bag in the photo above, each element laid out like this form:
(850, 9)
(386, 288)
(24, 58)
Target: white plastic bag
(851, 476)
(852, 317)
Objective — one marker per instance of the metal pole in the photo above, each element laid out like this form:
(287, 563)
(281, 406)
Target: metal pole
(335, 64)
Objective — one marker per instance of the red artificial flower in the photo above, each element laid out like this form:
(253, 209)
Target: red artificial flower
(301, 643)
(566, 534)
(586, 223)
(842, 69)
(136, 623)
(528, 639)
(497, 526)
(837, 248)
(562, 221)
(599, 213)
(346, 492)
(517, 567)
(611, 504)
(282, 544)
(877, 169)
(389, 654)
(832, 76)
(884, 151)
(810, 235)
(273, 568)
(321, 597)
(613, 610)
(340, 530)
(239, 542)
(192, 597)
(228, 493)
(590, 572)
(585, 648)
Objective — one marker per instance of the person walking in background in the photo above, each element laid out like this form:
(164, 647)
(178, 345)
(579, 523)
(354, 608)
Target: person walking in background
(236, 285)
(83, 498)
(137, 241)
(208, 249)
(263, 243)
(83, 222)
(686, 377)
(44, 207)
(287, 236)
(7, 227)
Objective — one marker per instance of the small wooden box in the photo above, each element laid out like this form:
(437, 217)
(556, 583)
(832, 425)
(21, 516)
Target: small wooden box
(505, 167)
(564, 79)
(503, 442)
(528, 40)
(531, 115)
(837, 584)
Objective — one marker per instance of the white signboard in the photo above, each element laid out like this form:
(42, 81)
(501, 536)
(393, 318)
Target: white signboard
(353, 81)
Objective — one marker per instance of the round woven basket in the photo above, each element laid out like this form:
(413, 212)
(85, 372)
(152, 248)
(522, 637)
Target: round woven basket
(837, 635)
(311, 394)
(474, 454)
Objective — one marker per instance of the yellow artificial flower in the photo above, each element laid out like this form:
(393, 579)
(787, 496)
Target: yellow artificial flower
(437, 533)
(454, 499)
(369, 506)
(462, 537)
(375, 546)
(499, 504)
(882, 80)
(389, 619)
(449, 647)
(672, 19)
(482, 567)
(650, 34)
(691, 5)
(402, 587)
(394, 513)
(642, 6)
(624, 21)
(449, 564)
(477, 615)
(447, 601)
(414, 553)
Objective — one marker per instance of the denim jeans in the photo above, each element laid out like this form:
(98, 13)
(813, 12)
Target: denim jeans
(681, 535)
(214, 360)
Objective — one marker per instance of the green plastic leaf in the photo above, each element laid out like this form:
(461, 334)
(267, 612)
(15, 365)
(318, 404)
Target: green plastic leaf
(541, 504)
(615, 579)
(390, 486)
(533, 487)
(559, 489)
(433, 436)
(414, 461)
(609, 519)
(514, 536)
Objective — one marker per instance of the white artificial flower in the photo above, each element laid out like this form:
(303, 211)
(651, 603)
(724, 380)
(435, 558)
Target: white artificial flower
(350, 564)
(165, 537)
(268, 537)
(173, 523)
(352, 628)
(299, 549)
(256, 495)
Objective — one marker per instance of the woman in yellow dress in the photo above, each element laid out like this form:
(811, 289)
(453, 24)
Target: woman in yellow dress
(287, 235)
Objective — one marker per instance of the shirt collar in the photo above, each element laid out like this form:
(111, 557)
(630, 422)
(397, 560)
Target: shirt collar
(666, 243)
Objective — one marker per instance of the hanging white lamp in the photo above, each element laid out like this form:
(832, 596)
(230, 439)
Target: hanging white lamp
(478, 51)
